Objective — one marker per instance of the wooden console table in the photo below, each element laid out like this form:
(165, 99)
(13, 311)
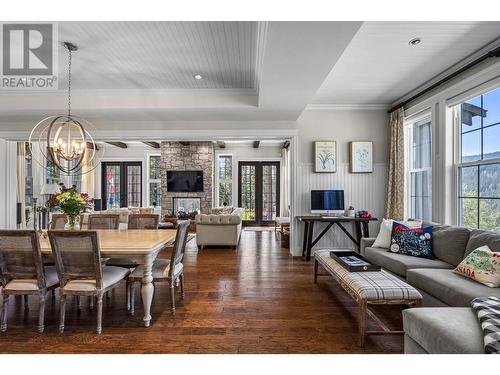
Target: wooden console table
(360, 226)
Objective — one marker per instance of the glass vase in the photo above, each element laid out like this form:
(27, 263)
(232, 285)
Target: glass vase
(72, 223)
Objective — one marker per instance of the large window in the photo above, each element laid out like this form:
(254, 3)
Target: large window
(225, 180)
(479, 162)
(154, 180)
(419, 177)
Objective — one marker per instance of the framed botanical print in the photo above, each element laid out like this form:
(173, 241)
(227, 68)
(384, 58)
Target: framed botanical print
(325, 156)
(361, 157)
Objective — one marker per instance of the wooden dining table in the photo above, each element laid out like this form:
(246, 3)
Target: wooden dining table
(139, 245)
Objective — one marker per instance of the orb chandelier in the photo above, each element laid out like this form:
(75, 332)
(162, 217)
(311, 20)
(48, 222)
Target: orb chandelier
(65, 140)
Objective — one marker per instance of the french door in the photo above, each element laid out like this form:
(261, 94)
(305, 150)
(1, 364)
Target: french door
(259, 191)
(121, 184)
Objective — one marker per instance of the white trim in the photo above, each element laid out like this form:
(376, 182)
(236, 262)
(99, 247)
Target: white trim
(262, 27)
(346, 107)
(175, 134)
(138, 92)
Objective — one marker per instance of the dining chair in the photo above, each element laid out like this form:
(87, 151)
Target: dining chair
(104, 221)
(58, 221)
(171, 270)
(22, 271)
(143, 221)
(78, 264)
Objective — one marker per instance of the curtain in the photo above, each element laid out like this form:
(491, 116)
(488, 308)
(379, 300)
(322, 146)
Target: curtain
(285, 182)
(88, 175)
(21, 180)
(395, 182)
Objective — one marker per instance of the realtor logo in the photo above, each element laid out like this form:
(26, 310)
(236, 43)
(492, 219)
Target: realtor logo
(29, 56)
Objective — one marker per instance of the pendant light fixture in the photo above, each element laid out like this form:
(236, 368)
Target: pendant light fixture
(65, 140)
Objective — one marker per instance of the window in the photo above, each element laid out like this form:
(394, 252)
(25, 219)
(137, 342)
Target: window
(154, 180)
(479, 162)
(419, 178)
(225, 180)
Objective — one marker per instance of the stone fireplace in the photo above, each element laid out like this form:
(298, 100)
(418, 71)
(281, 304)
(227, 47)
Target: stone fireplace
(187, 156)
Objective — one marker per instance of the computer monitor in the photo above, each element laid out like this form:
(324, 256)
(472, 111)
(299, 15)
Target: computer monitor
(327, 202)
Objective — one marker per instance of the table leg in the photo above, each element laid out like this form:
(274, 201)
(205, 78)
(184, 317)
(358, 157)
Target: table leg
(366, 230)
(309, 240)
(147, 289)
(359, 234)
(304, 243)
(362, 307)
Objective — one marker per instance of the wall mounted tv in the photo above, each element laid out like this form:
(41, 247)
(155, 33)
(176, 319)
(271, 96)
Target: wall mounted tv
(184, 181)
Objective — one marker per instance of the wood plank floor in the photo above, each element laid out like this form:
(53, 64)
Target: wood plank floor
(257, 299)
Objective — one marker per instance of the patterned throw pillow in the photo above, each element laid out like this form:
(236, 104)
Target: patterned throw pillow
(482, 265)
(416, 242)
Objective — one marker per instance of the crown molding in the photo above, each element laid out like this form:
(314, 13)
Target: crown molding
(346, 107)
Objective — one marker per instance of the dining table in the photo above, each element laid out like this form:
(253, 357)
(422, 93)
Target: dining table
(139, 245)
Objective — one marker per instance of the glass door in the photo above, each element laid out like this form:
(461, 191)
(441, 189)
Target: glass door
(121, 184)
(259, 191)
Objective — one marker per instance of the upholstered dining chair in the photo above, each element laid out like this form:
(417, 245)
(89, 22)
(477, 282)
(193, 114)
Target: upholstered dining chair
(143, 221)
(171, 270)
(78, 264)
(104, 221)
(58, 221)
(22, 271)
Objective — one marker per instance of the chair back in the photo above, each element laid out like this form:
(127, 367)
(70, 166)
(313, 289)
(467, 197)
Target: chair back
(104, 221)
(143, 221)
(77, 256)
(20, 256)
(180, 245)
(58, 221)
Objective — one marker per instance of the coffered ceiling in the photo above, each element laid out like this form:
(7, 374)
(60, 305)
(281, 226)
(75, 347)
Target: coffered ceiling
(160, 55)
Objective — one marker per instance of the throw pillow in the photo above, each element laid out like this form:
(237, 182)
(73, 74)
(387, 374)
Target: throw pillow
(416, 242)
(384, 235)
(482, 265)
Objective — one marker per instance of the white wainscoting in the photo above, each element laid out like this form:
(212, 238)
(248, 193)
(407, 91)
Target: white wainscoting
(364, 191)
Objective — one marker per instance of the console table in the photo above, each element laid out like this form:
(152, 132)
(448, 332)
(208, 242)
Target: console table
(360, 226)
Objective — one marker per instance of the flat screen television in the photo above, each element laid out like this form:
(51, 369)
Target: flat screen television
(327, 202)
(184, 181)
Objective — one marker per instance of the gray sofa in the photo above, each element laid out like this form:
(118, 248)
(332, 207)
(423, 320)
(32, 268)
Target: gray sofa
(446, 323)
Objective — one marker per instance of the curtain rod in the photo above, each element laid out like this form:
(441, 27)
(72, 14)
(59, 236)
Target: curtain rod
(493, 53)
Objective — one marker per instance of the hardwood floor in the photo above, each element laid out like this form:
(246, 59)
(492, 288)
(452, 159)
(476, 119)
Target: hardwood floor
(257, 299)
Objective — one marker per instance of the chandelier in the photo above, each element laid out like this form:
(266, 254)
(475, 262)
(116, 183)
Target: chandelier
(65, 140)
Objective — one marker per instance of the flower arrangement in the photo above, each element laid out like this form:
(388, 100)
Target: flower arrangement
(72, 203)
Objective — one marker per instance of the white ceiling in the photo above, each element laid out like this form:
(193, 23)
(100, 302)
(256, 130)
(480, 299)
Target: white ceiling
(379, 66)
(159, 55)
(130, 72)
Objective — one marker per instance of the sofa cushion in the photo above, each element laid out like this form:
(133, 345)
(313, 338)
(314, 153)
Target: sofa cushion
(483, 266)
(449, 287)
(444, 330)
(480, 238)
(449, 243)
(218, 219)
(415, 242)
(398, 263)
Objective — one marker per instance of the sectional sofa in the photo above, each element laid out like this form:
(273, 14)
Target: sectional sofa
(446, 323)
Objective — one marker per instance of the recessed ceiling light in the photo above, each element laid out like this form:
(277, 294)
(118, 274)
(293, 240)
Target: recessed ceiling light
(414, 41)
(198, 76)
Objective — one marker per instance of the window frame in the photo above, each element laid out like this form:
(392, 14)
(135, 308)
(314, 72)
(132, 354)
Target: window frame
(408, 140)
(218, 180)
(457, 156)
(151, 180)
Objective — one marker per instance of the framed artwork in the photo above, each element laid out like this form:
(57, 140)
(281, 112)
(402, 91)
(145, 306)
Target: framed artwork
(361, 157)
(325, 156)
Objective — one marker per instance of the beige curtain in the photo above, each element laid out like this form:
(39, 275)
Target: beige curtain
(88, 175)
(395, 184)
(21, 180)
(285, 182)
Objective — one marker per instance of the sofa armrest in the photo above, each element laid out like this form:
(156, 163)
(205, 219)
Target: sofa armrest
(364, 243)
